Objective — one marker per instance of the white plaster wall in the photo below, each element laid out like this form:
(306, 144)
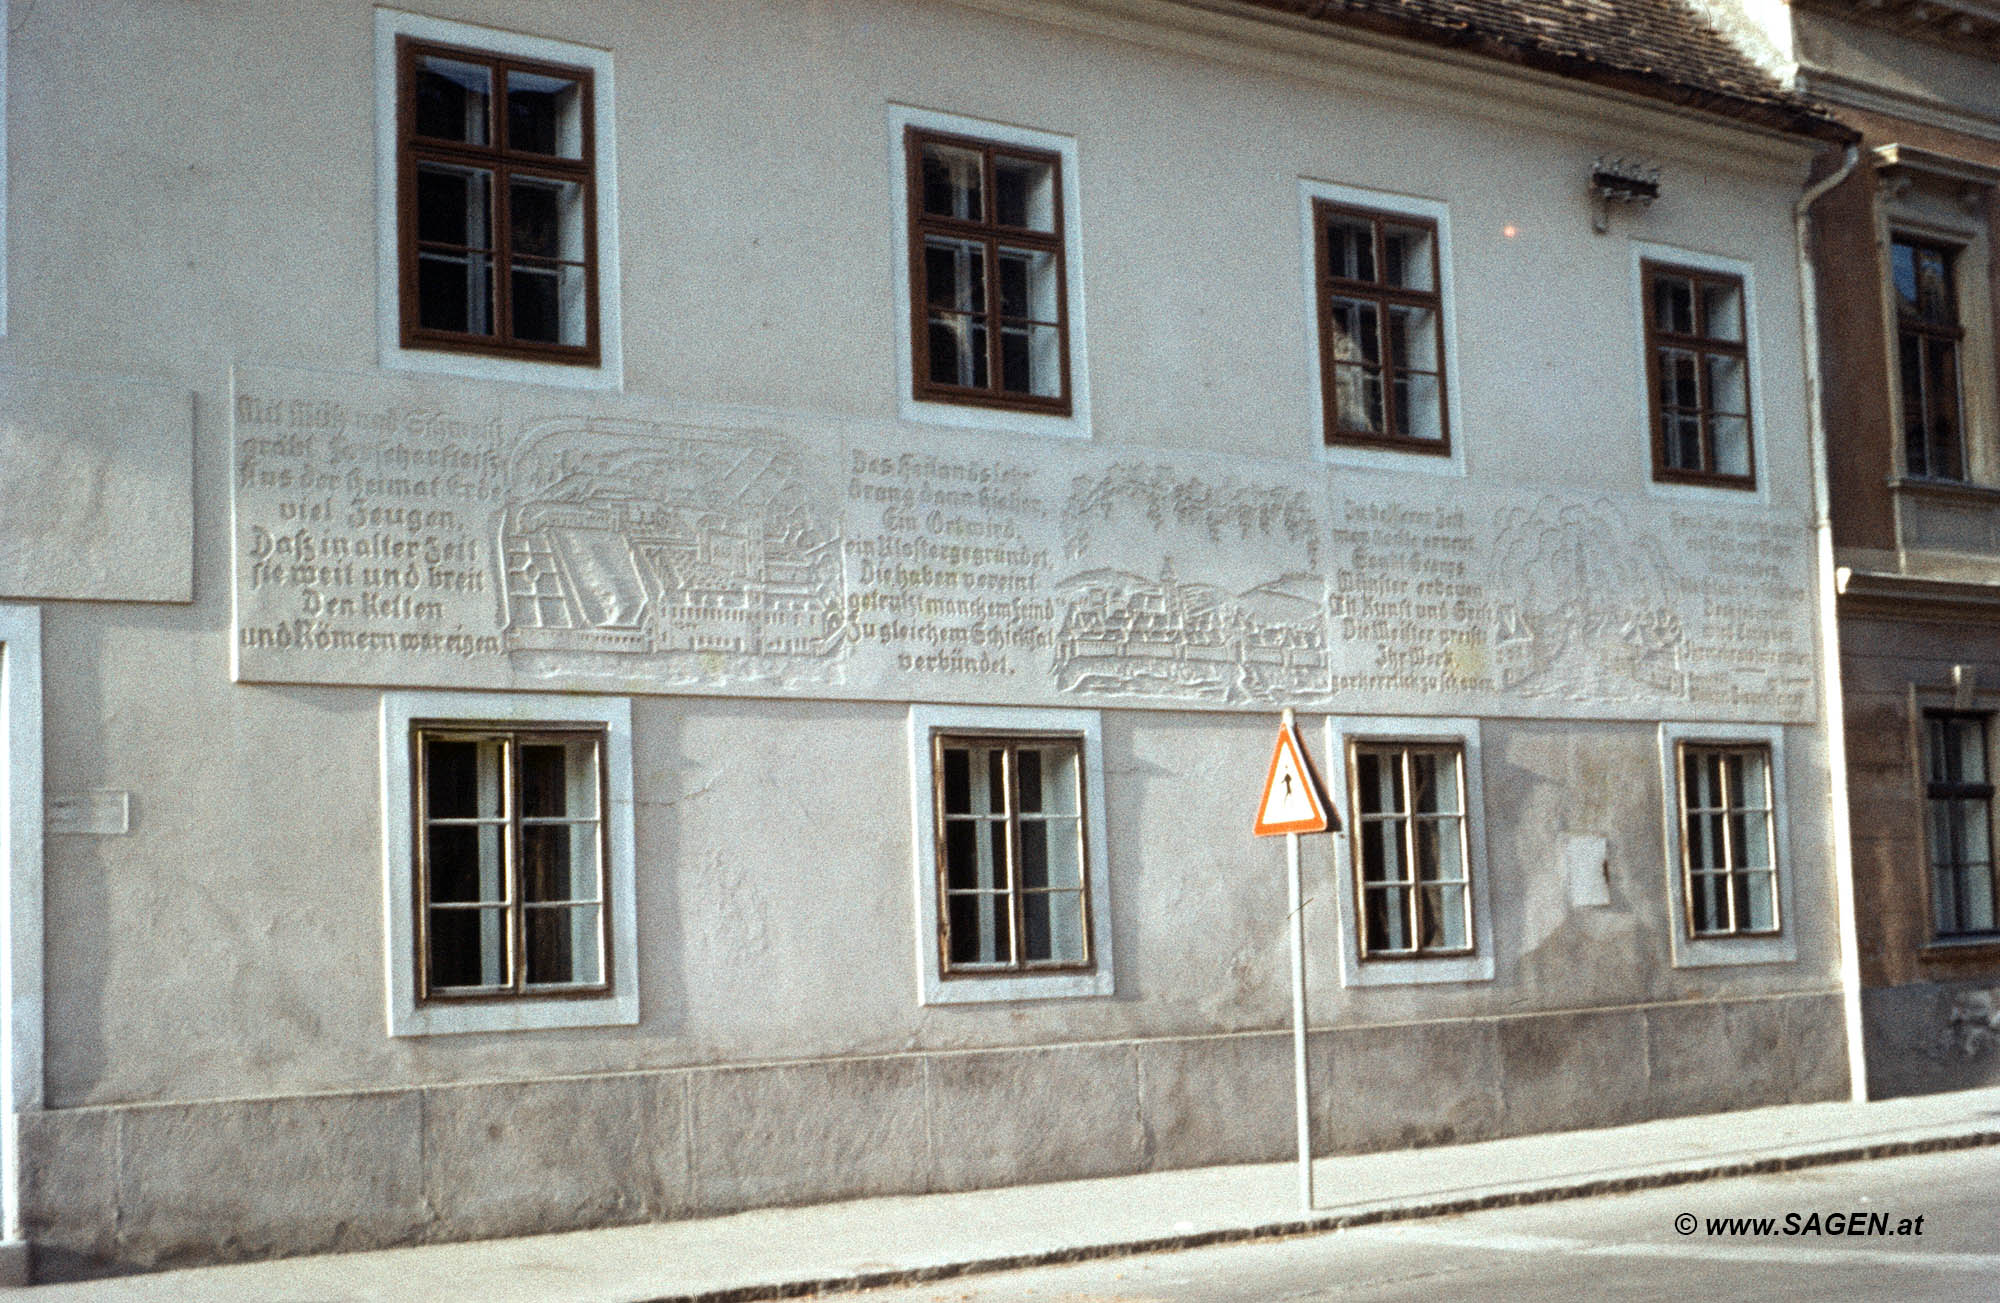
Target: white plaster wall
(229, 944)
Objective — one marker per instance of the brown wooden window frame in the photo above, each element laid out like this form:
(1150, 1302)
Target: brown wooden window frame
(1010, 744)
(1929, 337)
(1410, 890)
(1733, 869)
(503, 163)
(1954, 796)
(513, 907)
(1383, 296)
(991, 234)
(1703, 346)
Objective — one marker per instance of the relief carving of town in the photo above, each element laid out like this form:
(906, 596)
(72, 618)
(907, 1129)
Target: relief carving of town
(383, 538)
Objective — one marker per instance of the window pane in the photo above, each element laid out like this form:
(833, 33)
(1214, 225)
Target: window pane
(452, 99)
(454, 206)
(1051, 853)
(1749, 838)
(1382, 851)
(1711, 911)
(1048, 779)
(1935, 303)
(544, 114)
(1679, 383)
(1903, 274)
(558, 778)
(957, 780)
(1417, 406)
(1441, 918)
(1413, 338)
(1727, 391)
(1355, 331)
(1941, 403)
(1756, 903)
(455, 292)
(1682, 435)
(550, 303)
(1380, 780)
(1731, 435)
(1966, 749)
(955, 274)
(1435, 778)
(1406, 257)
(953, 185)
(562, 945)
(1357, 399)
(1028, 284)
(958, 350)
(1024, 193)
(468, 947)
(1722, 310)
(1350, 248)
(1749, 781)
(546, 218)
(1673, 305)
(1052, 927)
(1910, 371)
(973, 851)
(1031, 360)
(1383, 918)
(1439, 857)
(559, 862)
(463, 780)
(981, 929)
(465, 862)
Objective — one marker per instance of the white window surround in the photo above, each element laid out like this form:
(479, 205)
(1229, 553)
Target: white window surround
(21, 1018)
(1383, 459)
(1355, 971)
(3, 172)
(1705, 952)
(1641, 452)
(610, 371)
(908, 406)
(932, 988)
(440, 1017)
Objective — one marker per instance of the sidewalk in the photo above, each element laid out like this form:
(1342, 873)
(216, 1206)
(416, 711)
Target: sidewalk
(784, 1252)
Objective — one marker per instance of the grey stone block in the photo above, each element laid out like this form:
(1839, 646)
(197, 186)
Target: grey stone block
(807, 1132)
(69, 1189)
(1708, 1057)
(1006, 1117)
(1218, 1099)
(1925, 1037)
(1566, 1072)
(1401, 1086)
(254, 1178)
(521, 1158)
(1816, 1047)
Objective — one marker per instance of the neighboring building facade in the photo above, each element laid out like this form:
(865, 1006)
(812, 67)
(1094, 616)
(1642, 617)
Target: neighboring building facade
(1906, 285)
(639, 610)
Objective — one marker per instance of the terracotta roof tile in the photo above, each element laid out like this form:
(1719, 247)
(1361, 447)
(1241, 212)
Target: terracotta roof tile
(1663, 49)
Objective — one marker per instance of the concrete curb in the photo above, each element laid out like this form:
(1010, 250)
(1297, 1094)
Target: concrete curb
(1358, 1215)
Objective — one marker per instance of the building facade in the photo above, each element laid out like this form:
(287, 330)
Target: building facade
(1906, 286)
(640, 611)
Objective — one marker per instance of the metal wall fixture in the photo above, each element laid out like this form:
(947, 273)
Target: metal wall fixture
(1619, 181)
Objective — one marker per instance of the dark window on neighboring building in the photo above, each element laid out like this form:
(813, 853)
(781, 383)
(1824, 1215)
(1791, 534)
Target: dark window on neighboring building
(1698, 368)
(510, 861)
(989, 317)
(1927, 349)
(496, 205)
(1412, 863)
(1013, 886)
(1958, 786)
(1728, 855)
(1381, 329)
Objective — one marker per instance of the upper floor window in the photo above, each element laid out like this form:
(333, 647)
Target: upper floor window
(1958, 791)
(1928, 336)
(1698, 369)
(496, 204)
(1381, 329)
(988, 302)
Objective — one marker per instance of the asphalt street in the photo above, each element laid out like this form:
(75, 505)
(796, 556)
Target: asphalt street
(1612, 1247)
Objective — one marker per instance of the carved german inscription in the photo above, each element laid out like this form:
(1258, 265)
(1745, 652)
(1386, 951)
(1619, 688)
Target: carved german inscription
(407, 531)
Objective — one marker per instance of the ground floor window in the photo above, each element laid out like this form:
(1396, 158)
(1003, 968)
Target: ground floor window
(1958, 788)
(1726, 840)
(1410, 848)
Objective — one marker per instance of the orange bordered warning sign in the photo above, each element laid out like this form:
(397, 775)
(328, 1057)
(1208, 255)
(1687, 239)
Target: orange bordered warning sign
(1291, 800)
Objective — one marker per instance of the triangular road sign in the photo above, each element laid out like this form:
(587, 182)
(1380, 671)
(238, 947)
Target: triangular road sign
(1291, 800)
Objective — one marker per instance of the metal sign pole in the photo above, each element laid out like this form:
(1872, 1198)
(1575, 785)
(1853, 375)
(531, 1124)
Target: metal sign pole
(1299, 1081)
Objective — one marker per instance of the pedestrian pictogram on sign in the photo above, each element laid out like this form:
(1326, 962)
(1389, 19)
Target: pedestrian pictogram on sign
(1291, 801)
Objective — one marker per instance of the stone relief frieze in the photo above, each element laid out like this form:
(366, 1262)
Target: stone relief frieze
(426, 532)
